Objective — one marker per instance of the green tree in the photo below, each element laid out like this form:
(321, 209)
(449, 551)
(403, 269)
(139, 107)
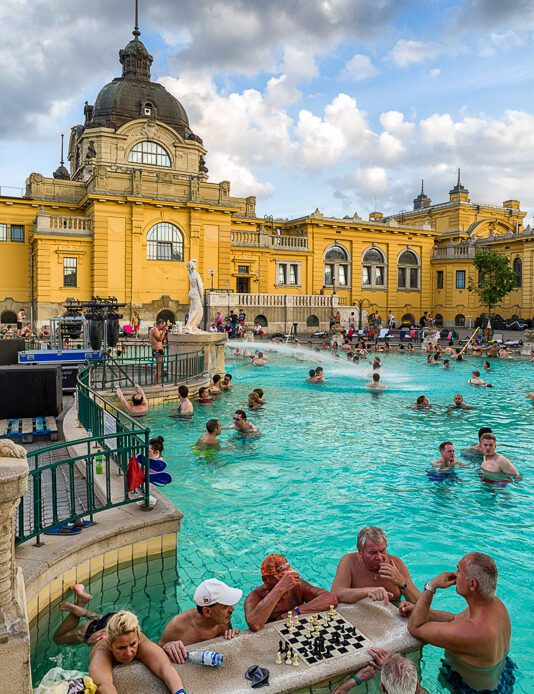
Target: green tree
(496, 278)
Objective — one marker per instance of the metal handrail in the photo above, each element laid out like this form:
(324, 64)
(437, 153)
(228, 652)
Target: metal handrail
(174, 370)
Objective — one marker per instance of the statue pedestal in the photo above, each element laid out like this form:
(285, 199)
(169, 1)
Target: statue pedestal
(213, 344)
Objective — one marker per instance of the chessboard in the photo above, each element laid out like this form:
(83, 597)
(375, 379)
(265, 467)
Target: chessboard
(333, 637)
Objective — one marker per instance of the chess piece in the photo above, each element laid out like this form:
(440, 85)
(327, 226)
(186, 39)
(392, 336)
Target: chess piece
(295, 659)
(289, 659)
(278, 660)
(296, 621)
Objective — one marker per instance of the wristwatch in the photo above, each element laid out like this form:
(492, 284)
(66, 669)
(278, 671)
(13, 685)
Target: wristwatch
(429, 587)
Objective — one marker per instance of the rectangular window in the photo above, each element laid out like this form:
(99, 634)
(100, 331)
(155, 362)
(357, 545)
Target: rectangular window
(342, 275)
(17, 233)
(328, 275)
(379, 275)
(439, 279)
(3, 232)
(293, 274)
(243, 269)
(164, 250)
(366, 275)
(460, 279)
(70, 272)
(401, 281)
(282, 274)
(414, 278)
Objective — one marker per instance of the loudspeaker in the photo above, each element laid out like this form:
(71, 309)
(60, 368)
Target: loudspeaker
(30, 391)
(9, 350)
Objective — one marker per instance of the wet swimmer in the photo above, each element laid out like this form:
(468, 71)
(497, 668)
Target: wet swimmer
(477, 640)
(204, 396)
(375, 383)
(260, 393)
(227, 382)
(319, 374)
(215, 388)
(446, 363)
(242, 425)
(495, 468)
(444, 466)
(283, 591)
(475, 380)
(122, 643)
(215, 603)
(422, 403)
(459, 404)
(254, 401)
(209, 439)
(371, 572)
(185, 408)
(258, 359)
(311, 376)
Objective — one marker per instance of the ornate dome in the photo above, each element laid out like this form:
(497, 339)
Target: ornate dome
(134, 96)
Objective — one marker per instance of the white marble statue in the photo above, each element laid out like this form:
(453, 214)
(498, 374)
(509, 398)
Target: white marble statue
(196, 294)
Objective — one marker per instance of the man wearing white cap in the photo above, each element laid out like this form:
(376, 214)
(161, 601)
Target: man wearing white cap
(215, 603)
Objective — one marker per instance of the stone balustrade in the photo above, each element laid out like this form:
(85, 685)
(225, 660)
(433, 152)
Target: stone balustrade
(454, 252)
(259, 239)
(236, 299)
(63, 224)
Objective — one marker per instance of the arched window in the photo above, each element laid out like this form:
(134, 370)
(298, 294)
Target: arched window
(438, 320)
(518, 272)
(408, 270)
(148, 152)
(459, 320)
(8, 317)
(373, 268)
(336, 267)
(312, 321)
(407, 320)
(166, 315)
(261, 320)
(165, 242)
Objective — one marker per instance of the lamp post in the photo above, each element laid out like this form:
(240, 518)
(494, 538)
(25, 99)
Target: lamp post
(211, 273)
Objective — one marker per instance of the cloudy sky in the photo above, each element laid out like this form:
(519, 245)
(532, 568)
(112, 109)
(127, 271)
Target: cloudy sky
(336, 104)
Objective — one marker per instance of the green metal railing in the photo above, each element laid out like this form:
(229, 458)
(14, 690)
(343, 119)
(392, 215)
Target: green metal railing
(62, 486)
(112, 372)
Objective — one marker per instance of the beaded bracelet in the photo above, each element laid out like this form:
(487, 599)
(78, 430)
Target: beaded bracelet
(355, 678)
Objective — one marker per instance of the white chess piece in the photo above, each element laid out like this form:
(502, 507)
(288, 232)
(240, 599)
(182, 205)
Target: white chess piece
(278, 660)
(288, 659)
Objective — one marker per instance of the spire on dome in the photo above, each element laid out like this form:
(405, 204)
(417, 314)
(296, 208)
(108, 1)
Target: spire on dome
(134, 58)
(61, 172)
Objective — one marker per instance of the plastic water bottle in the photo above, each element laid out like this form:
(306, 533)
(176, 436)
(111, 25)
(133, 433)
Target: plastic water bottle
(98, 460)
(211, 658)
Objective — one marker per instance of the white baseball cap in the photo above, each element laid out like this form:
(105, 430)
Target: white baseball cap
(213, 591)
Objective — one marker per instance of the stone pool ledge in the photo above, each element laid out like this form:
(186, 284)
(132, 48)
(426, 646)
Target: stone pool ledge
(118, 536)
(380, 623)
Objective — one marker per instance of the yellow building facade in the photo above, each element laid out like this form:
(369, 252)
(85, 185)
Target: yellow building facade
(135, 205)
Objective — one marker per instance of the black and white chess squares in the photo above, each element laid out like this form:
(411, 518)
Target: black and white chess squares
(336, 637)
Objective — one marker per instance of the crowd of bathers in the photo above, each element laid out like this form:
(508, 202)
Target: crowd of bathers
(476, 641)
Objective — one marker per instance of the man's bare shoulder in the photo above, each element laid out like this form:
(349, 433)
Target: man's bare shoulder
(349, 558)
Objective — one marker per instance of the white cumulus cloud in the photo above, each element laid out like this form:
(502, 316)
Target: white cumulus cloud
(359, 67)
(408, 52)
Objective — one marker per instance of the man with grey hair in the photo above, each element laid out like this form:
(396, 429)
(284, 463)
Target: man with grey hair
(372, 573)
(397, 674)
(477, 640)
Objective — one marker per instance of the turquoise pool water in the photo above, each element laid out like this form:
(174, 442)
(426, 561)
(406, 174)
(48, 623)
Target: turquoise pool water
(333, 458)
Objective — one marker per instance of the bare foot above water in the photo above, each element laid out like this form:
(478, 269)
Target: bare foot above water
(82, 597)
(76, 610)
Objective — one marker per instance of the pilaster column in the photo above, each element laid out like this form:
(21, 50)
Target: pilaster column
(14, 630)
